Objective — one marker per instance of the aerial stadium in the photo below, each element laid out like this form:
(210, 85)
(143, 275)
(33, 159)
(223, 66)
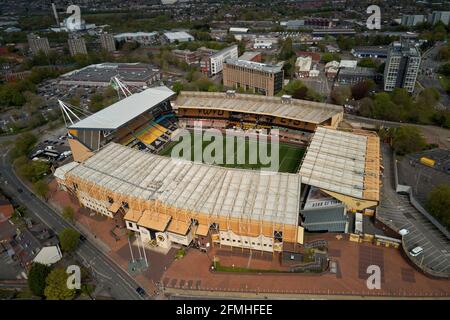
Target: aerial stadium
(123, 168)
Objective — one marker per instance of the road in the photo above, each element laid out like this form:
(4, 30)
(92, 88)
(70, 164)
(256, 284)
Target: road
(432, 80)
(434, 134)
(111, 276)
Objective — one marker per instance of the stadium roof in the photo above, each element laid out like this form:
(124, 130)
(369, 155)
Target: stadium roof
(342, 162)
(300, 110)
(124, 110)
(208, 189)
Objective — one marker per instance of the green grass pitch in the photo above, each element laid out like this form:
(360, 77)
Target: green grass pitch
(289, 155)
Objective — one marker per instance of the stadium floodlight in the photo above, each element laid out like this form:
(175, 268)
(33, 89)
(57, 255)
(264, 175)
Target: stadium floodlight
(120, 87)
(66, 111)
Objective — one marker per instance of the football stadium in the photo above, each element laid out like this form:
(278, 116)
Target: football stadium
(124, 168)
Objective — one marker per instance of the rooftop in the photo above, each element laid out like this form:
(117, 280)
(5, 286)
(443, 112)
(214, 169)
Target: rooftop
(343, 162)
(178, 35)
(301, 110)
(203, 188)
(255, 65)
(124, 110)
(103, 72)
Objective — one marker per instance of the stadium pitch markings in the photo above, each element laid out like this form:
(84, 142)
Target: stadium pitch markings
(232, 150)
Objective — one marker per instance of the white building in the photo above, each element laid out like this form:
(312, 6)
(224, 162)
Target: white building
(217, 59)
(303, 66)
(348, 64)
(411, 20)
(180, 36)
(262, 43)
(140, 37)
(436, 16)
(238, 30)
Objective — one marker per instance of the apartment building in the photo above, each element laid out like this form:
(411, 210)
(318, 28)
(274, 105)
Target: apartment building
(402, 66)
(77, 45)
(260, 77)
(217, 60)
(107, 42)
(37, 44)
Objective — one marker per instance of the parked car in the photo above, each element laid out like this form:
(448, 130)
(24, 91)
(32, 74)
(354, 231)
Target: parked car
(416, 251)
(141, 291)
(403, 232)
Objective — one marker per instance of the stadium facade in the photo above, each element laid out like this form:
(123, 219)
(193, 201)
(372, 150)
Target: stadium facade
(118, 173)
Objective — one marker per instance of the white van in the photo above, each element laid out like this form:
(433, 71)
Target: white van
(416, 251)
(403, 232)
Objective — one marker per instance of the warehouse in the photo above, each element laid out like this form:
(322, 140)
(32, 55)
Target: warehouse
(99, 75)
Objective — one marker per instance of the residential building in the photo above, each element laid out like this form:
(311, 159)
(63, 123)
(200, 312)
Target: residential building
(303, 66)
(190, 57)
(77, 45)
(107, 42)
(315, 56)
(259, 77)
(436, 16)
(263, 43)
(217, 59)
(402, 66)
(411, 20)
(38, 44)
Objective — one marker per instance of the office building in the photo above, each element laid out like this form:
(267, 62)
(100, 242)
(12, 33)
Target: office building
(402, 66)
(38, 44)
(258, 77)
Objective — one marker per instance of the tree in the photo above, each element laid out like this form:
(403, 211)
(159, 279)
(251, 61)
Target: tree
(68, 213)
(361, 89)
(69, 239)
(177, 87)
(438, 204)
(41, 189)
(36, 278)
(23, 145)
(286, 51)
(367, 63)
(56, 288)
(408, 139)
(340, 95)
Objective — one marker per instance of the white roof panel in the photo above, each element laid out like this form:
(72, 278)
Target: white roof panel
(125, 110)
